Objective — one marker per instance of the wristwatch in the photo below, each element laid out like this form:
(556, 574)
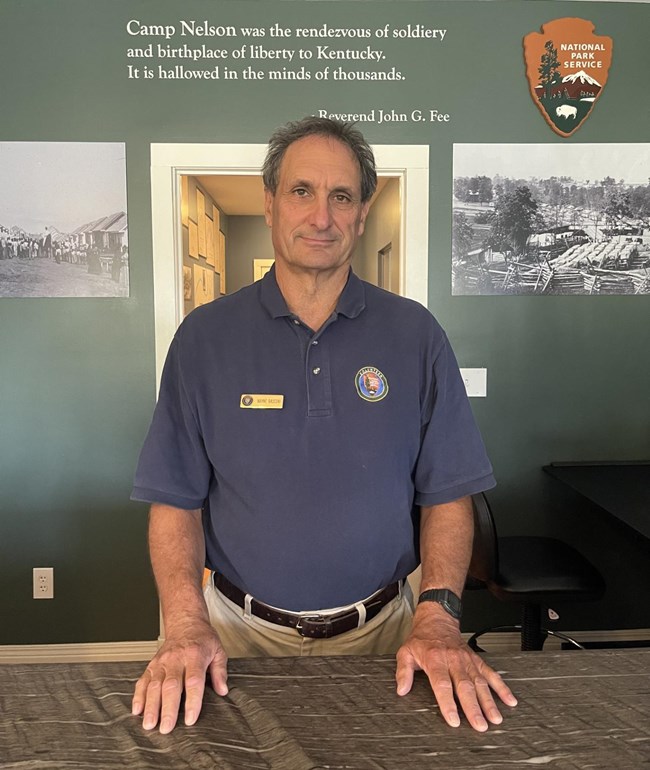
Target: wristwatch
(446, 599)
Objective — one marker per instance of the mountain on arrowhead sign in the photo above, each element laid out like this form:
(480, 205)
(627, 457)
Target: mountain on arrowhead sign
(567, 67)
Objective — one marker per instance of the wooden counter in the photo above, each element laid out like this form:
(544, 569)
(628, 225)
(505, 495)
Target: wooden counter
(577, 710)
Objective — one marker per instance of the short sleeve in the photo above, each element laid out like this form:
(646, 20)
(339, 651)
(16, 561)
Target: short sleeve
(173, 467)
(452, 462)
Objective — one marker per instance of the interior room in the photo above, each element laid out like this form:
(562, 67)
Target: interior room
(239, 201)
(513, 205)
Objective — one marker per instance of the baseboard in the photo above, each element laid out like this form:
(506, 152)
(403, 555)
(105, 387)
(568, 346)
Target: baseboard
(99, 652)
(96, 652)
(510, 642)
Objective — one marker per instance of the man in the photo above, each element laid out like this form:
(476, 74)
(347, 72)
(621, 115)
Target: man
(310, 430)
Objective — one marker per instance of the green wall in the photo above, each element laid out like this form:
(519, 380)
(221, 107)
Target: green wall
(568, 377)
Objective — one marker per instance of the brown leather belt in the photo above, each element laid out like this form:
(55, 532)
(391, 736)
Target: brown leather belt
(313, 626)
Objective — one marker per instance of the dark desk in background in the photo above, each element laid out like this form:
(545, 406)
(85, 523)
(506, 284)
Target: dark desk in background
(622, 489)
(577, 710)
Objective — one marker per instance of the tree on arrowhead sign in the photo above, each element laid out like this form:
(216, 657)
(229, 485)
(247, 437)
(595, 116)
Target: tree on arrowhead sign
(567, 67)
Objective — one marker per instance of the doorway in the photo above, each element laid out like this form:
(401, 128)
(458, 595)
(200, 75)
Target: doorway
(406, 167)
(385, 267)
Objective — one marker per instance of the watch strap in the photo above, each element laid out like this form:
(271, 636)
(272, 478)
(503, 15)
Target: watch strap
(446, 598)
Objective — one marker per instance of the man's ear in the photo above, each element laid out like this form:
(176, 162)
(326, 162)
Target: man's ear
(365, 208)
(268, 206)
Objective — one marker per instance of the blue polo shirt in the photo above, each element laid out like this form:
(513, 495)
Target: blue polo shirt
(308, 451)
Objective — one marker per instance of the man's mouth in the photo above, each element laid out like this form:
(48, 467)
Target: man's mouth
(315, 241)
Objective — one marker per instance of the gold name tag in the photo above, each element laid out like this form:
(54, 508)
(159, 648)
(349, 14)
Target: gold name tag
(261, 401)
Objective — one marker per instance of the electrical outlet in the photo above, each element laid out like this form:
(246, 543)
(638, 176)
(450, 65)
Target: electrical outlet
(475, 381)
(43, 582)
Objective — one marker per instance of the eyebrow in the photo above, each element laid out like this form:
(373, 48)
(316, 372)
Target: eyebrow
(299, 183)
(346, 190)
(339, 189)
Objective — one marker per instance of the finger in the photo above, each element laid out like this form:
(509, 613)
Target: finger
(172, 689)
(469, 703)
(443, 691)
(140, 694)
(497, 684)
(404, 673)
(219, 675)
(486, 701)
(152, 701)
(438, 673)
(194, 689)
(473, 687)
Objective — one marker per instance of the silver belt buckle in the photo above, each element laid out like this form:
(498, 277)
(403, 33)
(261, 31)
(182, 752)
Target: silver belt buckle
(311, 619)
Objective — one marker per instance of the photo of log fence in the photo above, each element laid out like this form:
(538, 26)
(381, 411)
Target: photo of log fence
(565, 233)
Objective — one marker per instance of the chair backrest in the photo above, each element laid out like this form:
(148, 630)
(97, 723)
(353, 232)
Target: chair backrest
(484, 565)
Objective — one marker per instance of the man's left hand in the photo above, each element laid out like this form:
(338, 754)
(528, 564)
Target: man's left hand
(436, 647)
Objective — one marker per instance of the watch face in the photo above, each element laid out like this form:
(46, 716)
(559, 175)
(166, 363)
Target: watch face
(452, 607)
(446, 598)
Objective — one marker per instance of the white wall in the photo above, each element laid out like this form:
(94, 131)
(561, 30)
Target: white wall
(248, 239)
(382, 227)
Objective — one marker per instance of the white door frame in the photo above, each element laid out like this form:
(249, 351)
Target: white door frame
(410, 163)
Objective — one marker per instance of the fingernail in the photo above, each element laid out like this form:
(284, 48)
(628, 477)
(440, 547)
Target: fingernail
(148, 723)
(454, 720)
(190, 717)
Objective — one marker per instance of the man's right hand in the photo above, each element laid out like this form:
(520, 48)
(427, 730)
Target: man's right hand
(180, 664)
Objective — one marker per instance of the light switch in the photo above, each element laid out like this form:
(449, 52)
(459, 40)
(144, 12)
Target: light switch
(475, 381)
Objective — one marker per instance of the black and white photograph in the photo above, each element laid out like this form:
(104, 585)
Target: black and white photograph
(551, 219)
(63, 221)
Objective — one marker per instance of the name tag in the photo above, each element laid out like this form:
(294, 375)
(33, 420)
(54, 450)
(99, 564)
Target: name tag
(261, 401)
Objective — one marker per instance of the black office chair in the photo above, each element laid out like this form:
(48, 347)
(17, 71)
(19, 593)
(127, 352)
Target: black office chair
(532, 571)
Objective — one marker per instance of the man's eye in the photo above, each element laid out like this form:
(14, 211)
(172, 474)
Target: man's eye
(300, 192)
(342, 200)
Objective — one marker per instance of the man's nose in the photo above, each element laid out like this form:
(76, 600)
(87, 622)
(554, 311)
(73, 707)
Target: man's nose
(321, 212)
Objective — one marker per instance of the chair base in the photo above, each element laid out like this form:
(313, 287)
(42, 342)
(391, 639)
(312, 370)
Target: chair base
(527, 644)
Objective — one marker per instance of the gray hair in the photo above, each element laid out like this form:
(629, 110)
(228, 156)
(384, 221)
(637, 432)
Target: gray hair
(312, 126)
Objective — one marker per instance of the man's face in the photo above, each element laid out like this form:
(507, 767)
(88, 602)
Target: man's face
(316, 215)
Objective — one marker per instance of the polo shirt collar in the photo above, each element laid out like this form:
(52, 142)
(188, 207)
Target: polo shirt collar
(271, 296)
(351, 303)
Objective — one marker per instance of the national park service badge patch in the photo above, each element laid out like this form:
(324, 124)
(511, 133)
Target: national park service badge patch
(567, 68)
(371, 384)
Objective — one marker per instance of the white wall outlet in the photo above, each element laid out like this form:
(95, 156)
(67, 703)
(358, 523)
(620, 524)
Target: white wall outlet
(43, 582)
(475, 381)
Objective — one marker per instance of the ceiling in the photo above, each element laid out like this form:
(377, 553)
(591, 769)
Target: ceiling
(243, 195)
(235, 195)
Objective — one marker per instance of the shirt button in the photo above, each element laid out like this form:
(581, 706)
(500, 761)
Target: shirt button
(316, 370)
(314, 342)
(296, 321)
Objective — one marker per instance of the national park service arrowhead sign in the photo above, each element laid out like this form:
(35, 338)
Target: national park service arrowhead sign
(567, 67)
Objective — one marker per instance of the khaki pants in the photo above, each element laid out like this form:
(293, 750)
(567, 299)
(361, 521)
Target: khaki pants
(251, 637)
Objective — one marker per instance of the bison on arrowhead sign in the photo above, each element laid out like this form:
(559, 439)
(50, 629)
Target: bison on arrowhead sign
(567, 67)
